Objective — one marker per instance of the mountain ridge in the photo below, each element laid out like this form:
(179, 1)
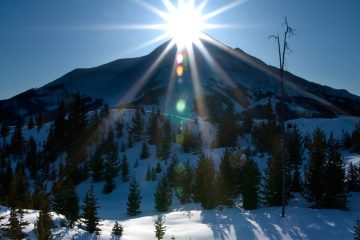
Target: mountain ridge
(223, 71)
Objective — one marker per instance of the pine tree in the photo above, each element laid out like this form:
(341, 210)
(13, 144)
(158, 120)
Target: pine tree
(90, 218)
(97, 165)
(30, 123)
(14, 228)
(160, 229)
(5, 130)
(273, 178)
(137, 125)
(19, 196)
(105, 110)
(148, 176)
(250, 184)
(134, 199)
(124, 169)
(294, 157)
(32, 159)
(334, 178)
(130, 141)
(248, 121)
(227, 129)
(39, 121)
(357, 231)
(353, 178)
(119, 128)
(117, 230)
(314, 170)
(227, 177)
(158, 168)
(122, 147)
(70, 203)
(355, 136)
(186, 144)
(152, 130)
(184, 182)
(163, 195)
(44, 222)
(206, 191)
(111, 165)
(144, 151)
(17, 140)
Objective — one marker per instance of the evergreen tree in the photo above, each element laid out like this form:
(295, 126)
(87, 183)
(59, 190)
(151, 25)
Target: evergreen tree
(248, 121)
(122, 147)
(30, 123)
(39, 121)
(165, 144)
(273, 179)
(134, 199)
(314, 170)
(227, 178)
(148, 176)
(294, 157)
(206, 191)
(186, 144)
(158, 168)
(111, 164)
(32, 159)
(117, 230)
(357, 231)
(227, 129)
(334, 178)
(124, 169)
(105, 110)
(144, 151)
(14, 228)
(17, 140)
(137, 125)
(19, 196)
(119, 128)
(152, 130)
(91, 220)
(163, 195)
(184, 182)
(160, 229)
(250, 184)
(97, 165)
(44, 222)
(130, 141)
(70, 203)
(356, 138)
(5, 130)
(353, 178)
(5, 178)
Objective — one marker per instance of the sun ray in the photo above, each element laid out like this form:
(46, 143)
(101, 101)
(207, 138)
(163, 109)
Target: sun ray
(152, 41)
(154, 9)
(131, 93)
(223, 9)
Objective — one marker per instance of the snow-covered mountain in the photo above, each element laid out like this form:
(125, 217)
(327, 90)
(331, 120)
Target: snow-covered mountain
(226, 76)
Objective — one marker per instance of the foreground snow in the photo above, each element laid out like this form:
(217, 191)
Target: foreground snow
(189, 222)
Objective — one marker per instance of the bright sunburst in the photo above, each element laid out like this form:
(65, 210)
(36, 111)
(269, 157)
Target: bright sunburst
(185, 23)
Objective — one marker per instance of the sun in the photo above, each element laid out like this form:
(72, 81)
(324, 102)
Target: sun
(185, 23)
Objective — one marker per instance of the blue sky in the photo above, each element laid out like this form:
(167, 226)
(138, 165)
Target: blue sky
(42, 40)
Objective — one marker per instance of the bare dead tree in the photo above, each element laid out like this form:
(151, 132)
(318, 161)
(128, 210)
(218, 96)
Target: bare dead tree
(283, 50)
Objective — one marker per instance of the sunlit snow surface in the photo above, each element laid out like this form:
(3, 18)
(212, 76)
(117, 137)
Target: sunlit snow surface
(191, 222)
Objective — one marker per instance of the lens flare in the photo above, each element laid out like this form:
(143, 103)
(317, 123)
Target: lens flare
(180, 70)
(181, 106)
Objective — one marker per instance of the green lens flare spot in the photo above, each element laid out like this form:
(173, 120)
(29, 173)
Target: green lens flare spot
(180, 106)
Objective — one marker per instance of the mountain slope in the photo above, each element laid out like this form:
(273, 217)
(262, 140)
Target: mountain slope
(226, 77)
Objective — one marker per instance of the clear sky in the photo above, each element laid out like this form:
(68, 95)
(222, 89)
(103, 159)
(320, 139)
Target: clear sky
(42, 40)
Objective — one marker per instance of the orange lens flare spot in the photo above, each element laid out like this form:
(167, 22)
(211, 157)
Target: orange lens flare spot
(180, 70)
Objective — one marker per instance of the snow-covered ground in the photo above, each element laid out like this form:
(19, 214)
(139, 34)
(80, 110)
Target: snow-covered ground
(190, 221)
